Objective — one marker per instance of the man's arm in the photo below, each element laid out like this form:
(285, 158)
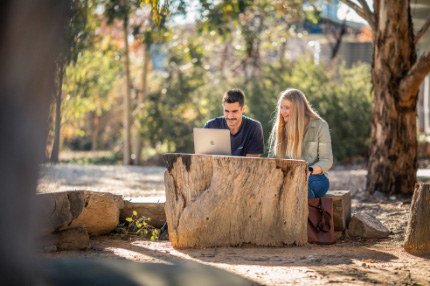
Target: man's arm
(257, 142)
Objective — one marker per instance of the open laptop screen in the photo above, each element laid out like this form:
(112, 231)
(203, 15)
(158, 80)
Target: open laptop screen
(212, 141)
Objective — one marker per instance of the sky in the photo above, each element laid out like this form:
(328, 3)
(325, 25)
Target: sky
(343, 10)
(350, 14)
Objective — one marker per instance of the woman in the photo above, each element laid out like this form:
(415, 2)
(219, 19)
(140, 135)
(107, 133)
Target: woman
(300, 133)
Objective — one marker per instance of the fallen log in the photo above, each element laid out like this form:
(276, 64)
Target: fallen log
(229, 201)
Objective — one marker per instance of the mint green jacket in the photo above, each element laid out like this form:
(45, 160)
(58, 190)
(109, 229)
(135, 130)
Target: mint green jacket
(316, 148)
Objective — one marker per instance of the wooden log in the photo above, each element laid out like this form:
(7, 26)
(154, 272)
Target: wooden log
(147, 208)
(341, 208)
(417, 238)
(229, 201)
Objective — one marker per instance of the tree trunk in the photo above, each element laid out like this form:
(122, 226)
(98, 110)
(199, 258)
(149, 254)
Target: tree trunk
(140, 102)
(96, 130)
(338, 38)
(417, 238)
(126, 155)
(28, 51)
(56, 147)
(228, 201)
(392, 162)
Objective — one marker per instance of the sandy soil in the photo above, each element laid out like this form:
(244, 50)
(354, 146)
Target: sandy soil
(349, 261)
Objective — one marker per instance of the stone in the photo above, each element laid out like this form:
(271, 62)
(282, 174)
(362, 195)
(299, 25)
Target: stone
(97, 211)
(57, 210)
(100, 213)
(417, 237)
(366, 226)
(76, 238)
(229, 201)
(341, 208)
(147, 208)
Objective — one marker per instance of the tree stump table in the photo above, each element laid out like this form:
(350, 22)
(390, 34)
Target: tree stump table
(229, 201)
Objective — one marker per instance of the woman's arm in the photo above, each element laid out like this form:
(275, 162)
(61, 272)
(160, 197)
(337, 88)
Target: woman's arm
(325, 155)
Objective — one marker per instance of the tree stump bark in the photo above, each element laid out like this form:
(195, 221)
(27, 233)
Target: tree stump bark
(229, 201)
(417, 239)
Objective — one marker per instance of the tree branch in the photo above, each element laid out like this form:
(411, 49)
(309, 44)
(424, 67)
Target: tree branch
(410, 85)
(422, 31)
(364, 12)
(369, 14)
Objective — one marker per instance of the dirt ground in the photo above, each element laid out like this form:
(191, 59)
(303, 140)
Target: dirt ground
(348, 262)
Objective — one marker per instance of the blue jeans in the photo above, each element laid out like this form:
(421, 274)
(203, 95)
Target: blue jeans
(317, 186)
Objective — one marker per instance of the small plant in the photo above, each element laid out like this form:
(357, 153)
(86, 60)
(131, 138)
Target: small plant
(137, 226)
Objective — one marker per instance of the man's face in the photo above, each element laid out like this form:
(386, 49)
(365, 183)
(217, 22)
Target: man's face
(233, 114)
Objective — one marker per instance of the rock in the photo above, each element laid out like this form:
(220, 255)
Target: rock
(76, 238)
(378, 194)
(417, 238)
(97, 211)
(366, 226)
(100, 213)
(228, 201)
(57, 210)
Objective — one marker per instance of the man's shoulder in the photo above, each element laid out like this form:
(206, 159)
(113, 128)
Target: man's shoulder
(216, 122)
(252, 122)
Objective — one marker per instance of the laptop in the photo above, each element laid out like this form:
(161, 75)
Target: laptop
(212, 141)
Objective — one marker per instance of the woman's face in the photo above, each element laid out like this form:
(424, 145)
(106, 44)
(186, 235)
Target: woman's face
(285, 109)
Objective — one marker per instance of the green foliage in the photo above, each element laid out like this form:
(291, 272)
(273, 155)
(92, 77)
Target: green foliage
(342, 97)
(78, 31)
(113, 158)
(137, 226)
(239, 44)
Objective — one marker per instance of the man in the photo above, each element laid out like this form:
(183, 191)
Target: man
(246, 134)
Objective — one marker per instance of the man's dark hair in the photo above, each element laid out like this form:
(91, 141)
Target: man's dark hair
(234, 95)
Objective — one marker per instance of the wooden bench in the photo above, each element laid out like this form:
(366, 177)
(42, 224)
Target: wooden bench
(341, 209)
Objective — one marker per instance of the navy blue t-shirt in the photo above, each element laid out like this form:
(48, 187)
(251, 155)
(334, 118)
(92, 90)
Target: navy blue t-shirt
(248, 140)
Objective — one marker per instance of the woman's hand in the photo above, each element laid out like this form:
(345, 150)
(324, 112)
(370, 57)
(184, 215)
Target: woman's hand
(317, 170)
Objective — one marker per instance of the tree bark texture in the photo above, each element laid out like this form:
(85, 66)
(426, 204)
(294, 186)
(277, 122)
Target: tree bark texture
(417, 239)
(127, 96)
(392, 162)
(229, 201)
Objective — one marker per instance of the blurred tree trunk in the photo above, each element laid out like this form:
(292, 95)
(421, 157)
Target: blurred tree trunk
(32, 34)
(141, 100)
(126, 155)
(96, 131)
(396, 76)
(58, 96)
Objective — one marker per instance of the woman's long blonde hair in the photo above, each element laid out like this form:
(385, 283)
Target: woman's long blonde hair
(286, 138)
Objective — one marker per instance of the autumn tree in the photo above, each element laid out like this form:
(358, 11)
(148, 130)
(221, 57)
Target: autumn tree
(396, 74)
(76, 38)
